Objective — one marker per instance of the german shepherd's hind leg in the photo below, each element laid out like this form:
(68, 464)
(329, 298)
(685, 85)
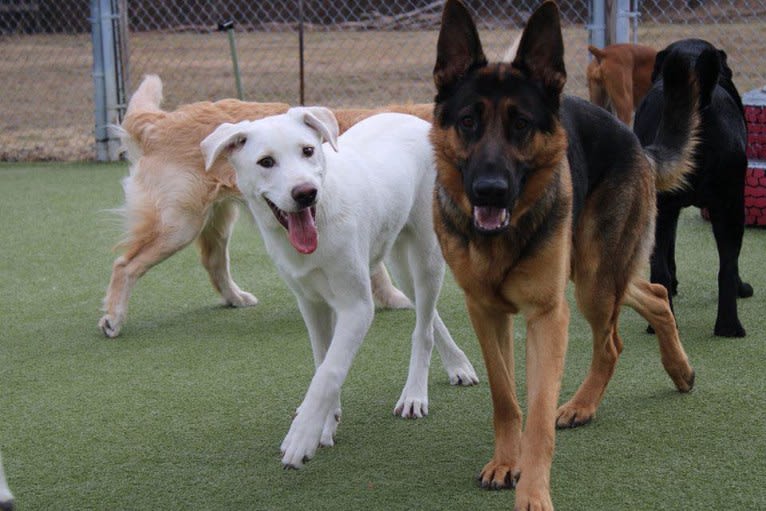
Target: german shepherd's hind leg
(651, 302)
(494, 329)
(145, 249)
(213, 244)
(601, 309)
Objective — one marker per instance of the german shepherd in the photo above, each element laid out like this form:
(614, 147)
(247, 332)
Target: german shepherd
(533, 188)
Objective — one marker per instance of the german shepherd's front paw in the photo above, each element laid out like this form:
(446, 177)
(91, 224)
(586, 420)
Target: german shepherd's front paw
(572, 415)
(498, 476)
(533, 500)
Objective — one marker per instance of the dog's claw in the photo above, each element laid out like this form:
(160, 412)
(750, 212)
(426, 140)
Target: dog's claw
(497, 476)
(570, 417)
(108, 328)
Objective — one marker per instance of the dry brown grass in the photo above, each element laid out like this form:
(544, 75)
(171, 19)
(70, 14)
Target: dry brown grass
(46, 103)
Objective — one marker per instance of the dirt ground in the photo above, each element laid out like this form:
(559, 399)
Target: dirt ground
(46, 81)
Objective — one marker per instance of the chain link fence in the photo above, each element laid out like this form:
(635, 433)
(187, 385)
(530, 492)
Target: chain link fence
(355, 53)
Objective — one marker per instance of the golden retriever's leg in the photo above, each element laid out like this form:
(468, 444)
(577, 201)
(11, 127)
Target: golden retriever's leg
(385, 294)
(651, 301)
(547, 339)
(494, 329)
(214, 250)
(145, 250)
(600, 307)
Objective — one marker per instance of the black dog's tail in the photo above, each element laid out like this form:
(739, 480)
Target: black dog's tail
(672, 151)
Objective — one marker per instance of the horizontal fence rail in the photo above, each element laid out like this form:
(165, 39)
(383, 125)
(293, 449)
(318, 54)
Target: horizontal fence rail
(358, 53)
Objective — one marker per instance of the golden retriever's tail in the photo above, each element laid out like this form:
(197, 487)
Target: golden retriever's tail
(141, 115)
(672, 151)
(147, 97)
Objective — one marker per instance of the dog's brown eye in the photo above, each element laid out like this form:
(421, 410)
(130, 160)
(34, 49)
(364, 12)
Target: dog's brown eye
(266, 162)
(308, 151)
(520, 124)
(467, 122)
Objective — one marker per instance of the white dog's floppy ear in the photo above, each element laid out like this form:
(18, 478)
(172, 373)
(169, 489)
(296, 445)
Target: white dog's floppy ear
(321, 119)
(226, 137)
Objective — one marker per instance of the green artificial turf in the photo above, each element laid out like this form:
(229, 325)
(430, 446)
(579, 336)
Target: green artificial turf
(187, 409)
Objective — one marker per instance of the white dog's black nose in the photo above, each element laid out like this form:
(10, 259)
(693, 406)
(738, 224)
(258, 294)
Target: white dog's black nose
(304, 195)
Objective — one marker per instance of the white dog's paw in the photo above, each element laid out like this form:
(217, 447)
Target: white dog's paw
(459, 369)
(462, 374)
(301, 441)
(240, 298)
(329, 429)
(110, 326)
(411, 407)
(391, 298)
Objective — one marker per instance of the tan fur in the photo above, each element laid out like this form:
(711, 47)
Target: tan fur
(498, 283)
(170, 200)
(619, 77)
(524, 267)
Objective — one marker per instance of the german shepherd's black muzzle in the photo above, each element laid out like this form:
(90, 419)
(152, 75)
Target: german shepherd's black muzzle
(493, 186)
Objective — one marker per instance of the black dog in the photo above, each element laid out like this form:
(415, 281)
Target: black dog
(718, 181)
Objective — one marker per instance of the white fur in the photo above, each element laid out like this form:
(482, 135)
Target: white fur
(6, 499)
(373, 203)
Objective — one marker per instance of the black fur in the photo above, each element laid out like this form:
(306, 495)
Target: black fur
(719, 173)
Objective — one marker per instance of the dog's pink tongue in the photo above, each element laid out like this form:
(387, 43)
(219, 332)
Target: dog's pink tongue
(302, 231)
(490, 218)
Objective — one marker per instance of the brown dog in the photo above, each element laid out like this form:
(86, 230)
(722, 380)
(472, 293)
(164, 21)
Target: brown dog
(533, 188)
(171, 201)
(619, 77)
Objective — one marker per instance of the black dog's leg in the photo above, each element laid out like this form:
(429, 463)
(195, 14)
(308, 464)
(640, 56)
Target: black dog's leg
(728, 228)
(663, 264)
(673, 290)
(744, 290)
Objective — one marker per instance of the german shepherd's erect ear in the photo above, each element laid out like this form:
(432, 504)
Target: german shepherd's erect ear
(459, 48)
(541, 51)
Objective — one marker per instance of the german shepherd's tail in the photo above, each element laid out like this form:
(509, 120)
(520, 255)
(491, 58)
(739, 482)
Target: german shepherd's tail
(142, 114)
(672, 152)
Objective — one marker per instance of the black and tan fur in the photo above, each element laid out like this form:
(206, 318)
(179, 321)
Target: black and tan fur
(534, 188)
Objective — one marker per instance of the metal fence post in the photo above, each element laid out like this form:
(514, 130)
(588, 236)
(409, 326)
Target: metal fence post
(108, 79)
(102, 133)
(597, 23)
(619, 14)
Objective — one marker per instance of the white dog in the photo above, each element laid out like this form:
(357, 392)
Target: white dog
(326, 219)
(6, 499)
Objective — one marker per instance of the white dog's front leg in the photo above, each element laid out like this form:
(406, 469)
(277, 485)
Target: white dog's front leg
(320, 320)
(323, 396)
(6, 499)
